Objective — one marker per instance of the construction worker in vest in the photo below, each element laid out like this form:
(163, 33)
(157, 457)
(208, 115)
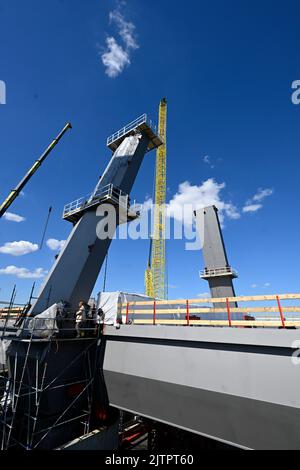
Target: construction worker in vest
(82, 319)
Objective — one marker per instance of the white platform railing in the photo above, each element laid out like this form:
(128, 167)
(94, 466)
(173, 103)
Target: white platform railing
(130, 127)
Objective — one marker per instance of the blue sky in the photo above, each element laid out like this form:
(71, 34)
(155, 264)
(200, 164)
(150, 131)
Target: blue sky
(226, 69)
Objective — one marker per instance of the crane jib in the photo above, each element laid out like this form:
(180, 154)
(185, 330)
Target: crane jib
(15, 192)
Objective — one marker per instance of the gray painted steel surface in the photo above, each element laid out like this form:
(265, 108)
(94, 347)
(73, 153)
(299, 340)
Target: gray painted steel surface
(235, 385)
(214, 253)
(75, 272)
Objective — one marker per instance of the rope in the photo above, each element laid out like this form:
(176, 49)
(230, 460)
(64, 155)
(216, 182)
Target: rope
(46, 226)
(105, 273)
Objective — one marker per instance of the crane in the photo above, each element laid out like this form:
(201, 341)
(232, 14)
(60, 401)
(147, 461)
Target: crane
(148, 275)
(155, 274)
(15, 192)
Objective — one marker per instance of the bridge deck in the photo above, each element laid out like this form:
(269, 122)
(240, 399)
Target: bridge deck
(238, 386)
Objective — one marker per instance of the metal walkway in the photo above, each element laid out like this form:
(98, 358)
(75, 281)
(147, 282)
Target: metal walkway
(239, 386)
(141, 124)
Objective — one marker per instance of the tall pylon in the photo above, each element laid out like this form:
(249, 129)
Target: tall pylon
(155, 275)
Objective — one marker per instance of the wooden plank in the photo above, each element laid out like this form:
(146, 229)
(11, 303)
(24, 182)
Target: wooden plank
(171, 311)
(11, 317)
(168, 311)
(242, 323)
(257, 298)
(195, 322)
(252, 298)
(205, 311)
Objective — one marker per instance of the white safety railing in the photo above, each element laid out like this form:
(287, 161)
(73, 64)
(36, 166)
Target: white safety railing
(106, 193)
(218, 272)
(74, 206)
(130, 127)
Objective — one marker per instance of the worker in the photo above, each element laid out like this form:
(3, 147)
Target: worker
(92, 321)
(82, 321)
(100, 316)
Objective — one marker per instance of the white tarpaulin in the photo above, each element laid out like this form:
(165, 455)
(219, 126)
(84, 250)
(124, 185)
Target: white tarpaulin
(44, 325)
(111, 304)
(3, 348)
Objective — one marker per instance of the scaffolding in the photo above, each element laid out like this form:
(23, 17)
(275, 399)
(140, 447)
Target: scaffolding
(51, 388)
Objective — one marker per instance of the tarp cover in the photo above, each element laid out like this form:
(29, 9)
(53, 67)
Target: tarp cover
(3, 348)
(111, 304)
(44, 325)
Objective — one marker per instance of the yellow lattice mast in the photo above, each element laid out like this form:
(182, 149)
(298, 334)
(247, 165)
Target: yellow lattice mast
(155, 276)
(149, 277)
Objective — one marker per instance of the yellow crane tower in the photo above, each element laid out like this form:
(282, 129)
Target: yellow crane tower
(155, 275)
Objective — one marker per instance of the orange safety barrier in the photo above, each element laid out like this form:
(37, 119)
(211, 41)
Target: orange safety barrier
(280, 311)
(188, 312)
(228, 312)
(185, 307)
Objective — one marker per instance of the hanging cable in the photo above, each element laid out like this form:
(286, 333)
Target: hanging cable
(105, 273)
(46, 226)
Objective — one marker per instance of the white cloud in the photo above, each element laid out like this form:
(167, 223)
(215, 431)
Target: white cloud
(23, 273)
(55, 245)
(207, 159)
(18, 248)
(262, 194)
(13, 217)
(148, 204)
(126, 29)
(252, 207)
(191, 197)
(205, 295)
(267, 284)
(116, 57)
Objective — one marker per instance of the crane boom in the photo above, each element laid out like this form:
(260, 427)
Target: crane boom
(15, 192)
(155, 275)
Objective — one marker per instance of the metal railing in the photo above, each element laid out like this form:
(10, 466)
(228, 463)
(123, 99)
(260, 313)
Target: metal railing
(227, 270)
(47, 327)
(106, 193)
(130, 127)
